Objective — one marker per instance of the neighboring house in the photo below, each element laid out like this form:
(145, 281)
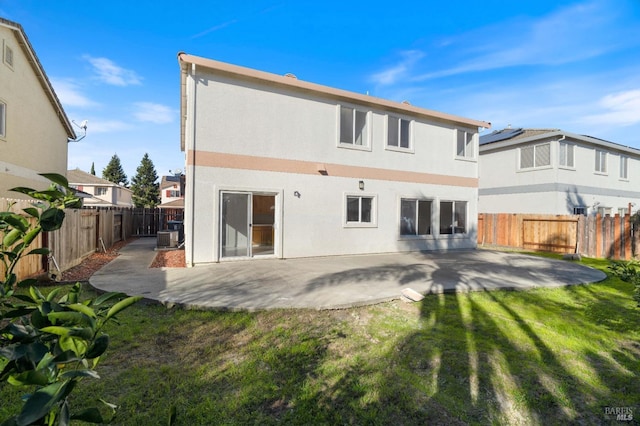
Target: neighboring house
(34, 128)
(278, 167)
(171, 192)
(550, 171)
(99, 192)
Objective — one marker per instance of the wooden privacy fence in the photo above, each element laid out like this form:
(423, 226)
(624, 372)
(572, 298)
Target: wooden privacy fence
(29, 265)
(85, 231)
(613, 237)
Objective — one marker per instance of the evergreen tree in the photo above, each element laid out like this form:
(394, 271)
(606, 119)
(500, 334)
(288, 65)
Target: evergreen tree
(114, 172)
(146, 191)
(93, 168)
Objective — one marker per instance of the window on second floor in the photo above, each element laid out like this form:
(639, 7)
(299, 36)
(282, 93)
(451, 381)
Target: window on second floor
(534, 156)
(624, 167)
(172, 193)
(101, 190)
(601, 161)
(464, 144)
(353, 127)
(398, 132)
(565, 155)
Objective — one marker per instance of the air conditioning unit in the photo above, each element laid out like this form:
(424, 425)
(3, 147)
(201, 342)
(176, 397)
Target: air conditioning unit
(167, 239)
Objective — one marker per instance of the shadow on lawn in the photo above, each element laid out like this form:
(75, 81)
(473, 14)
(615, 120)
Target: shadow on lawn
(477, 359)
(496, 357)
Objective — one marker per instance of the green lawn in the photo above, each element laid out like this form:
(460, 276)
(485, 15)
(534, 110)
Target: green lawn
(553, 356)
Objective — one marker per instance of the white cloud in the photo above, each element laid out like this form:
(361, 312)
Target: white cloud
(398, 71)
(70, 94)
(622, 108)
(107, 126)
(108, 72)
(567, 35)
(154, 113)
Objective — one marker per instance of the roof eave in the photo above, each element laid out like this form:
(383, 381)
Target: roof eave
(27, 48)
(251, 74)
(559, 134)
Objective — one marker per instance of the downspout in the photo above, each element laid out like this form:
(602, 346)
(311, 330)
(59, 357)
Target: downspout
(191, 149)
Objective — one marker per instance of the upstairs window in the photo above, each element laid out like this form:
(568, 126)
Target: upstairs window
(398, 132)
(415, 217)
(464, 144)
(353, 127)
(624, 167)
(534, 156)
(601, 161)
(453, 217)
(101, 190)
(565, 155)
(3, 120)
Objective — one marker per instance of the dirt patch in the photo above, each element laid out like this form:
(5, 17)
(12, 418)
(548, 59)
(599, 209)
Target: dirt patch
(169, 259)
(91, 264)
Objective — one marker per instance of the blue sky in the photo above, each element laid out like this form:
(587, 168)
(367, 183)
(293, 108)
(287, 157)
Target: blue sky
(544, 64)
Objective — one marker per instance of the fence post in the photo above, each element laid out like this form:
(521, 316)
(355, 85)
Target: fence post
(617, 237)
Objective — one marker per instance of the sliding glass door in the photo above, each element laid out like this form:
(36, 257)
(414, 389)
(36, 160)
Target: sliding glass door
(247, 224)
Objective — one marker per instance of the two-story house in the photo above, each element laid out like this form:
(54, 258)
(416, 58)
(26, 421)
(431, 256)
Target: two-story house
(171, 192)
(34, 129)
(279, 167)
(99, 192)
(550, 171)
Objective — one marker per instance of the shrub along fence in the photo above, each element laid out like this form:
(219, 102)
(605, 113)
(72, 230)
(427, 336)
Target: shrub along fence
(87, 230)
(612, 237)
(29, 265)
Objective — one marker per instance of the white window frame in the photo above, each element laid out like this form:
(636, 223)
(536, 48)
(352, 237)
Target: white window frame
(3, 119)
(469, 150)
(366, 141)
(400, 120)
(359, 223)
(535, 147)
(569, 155)
(624, 167)
(601, 164)
(416, 223)
(453, 224)
(101, 188)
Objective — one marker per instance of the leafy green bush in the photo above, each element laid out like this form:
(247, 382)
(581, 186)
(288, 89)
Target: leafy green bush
(628, 271)
(48, 344)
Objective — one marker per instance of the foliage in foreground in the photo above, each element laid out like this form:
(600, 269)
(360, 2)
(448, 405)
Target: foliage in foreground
(48, 344)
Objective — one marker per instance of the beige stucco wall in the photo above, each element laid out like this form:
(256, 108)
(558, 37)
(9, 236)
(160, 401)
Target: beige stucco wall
(36, 140)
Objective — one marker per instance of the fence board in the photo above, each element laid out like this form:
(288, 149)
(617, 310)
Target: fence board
(31, 265)
(616, 237)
